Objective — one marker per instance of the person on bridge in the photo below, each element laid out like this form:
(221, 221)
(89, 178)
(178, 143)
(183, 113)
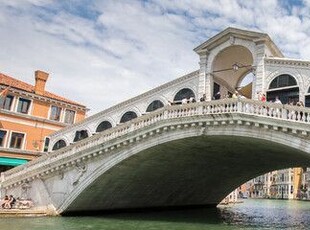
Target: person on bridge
(277, 100)
(217, 96)
(263, 98)
(203, 98)
(4, 201)
(10, 202)
(235, 95)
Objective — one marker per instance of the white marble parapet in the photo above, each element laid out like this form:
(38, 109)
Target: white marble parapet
(298, 119)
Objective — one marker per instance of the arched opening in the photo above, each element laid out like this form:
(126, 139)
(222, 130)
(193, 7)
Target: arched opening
(59, 144)
(285, 88)
(307, 98)
(154, 105)
(245, 85)
(128, 116)
(103, 126)
(230, 68)
(183, 93)
(233, 159)
(80, 135)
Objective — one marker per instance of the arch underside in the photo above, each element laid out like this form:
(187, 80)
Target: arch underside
(195, 171)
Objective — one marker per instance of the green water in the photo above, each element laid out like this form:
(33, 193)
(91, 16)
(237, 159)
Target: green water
(252, 214)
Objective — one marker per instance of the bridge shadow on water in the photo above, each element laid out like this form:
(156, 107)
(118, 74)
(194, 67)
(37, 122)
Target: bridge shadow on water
(190, 215)
(252, 214)
(204, 215)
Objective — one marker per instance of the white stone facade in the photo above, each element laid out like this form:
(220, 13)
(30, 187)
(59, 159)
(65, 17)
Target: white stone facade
(249, 50)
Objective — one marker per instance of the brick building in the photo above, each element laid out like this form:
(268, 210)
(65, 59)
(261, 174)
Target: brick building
(28, 114)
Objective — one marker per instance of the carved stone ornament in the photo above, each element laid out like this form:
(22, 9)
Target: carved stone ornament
(81, 168)
(232, 40)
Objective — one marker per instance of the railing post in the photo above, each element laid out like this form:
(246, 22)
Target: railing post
(165, 114)
(199, 109)
(239, 106)
(284, 113)
(132, 127)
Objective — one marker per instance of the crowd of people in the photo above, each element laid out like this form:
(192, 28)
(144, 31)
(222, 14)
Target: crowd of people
(8, 202)
(217, 96)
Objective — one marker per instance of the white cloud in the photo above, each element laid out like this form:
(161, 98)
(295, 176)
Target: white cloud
(107, 51)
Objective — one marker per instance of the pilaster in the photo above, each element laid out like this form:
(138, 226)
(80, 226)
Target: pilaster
(205, 78)
(259, 81)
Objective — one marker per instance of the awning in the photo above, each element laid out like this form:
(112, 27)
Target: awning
(12, 161)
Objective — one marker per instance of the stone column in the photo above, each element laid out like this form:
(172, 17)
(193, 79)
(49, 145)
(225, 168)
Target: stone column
(259, 81)
(205, 78)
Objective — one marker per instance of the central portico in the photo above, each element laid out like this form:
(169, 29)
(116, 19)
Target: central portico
(227, 58)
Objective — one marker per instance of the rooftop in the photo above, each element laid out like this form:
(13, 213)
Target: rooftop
(20, 85)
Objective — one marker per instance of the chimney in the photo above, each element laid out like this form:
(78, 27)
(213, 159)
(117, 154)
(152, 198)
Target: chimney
(41, 78)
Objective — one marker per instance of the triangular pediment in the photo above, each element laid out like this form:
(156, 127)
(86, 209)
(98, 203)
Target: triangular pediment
(232, 33)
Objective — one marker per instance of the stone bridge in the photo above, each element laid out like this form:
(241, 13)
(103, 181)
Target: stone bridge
(177, 156)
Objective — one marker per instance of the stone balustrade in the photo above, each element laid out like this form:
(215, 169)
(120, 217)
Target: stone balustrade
(66, 156)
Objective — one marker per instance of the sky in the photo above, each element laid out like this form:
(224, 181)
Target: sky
(102, 52)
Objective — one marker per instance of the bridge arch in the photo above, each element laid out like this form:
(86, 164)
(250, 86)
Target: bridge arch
(268, 149)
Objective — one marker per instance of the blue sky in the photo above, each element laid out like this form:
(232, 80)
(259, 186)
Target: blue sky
(102, 52)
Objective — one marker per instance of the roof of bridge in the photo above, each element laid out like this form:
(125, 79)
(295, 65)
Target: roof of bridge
(20, 85)
(226, 34)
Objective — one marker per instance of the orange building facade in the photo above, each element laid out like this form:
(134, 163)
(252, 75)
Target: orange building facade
(28, 114)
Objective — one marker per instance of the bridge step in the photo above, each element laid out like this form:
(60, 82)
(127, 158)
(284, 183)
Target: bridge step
(21, 212)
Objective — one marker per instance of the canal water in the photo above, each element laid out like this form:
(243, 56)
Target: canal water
(251, 214)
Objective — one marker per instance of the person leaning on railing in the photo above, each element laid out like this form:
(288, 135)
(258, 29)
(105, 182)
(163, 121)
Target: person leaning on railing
(4, 201)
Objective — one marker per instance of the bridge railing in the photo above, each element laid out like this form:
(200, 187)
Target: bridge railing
(246, 106)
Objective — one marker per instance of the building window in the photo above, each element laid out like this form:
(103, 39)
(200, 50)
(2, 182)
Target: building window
(69, 116)
(23, 105)
(46, 144)
(183, 93)
(55, 113)
(59, 144)
(154, 105)
(128, 116)
(6, 102)
(103, 126)
(2, 137)
(17, 140)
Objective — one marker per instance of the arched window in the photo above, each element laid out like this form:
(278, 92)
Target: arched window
(128, 116)
(283, 80)
(103, 126)
(285, 87)
(154, 105)
(80, 135)
(59, 144)
(184, 93)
